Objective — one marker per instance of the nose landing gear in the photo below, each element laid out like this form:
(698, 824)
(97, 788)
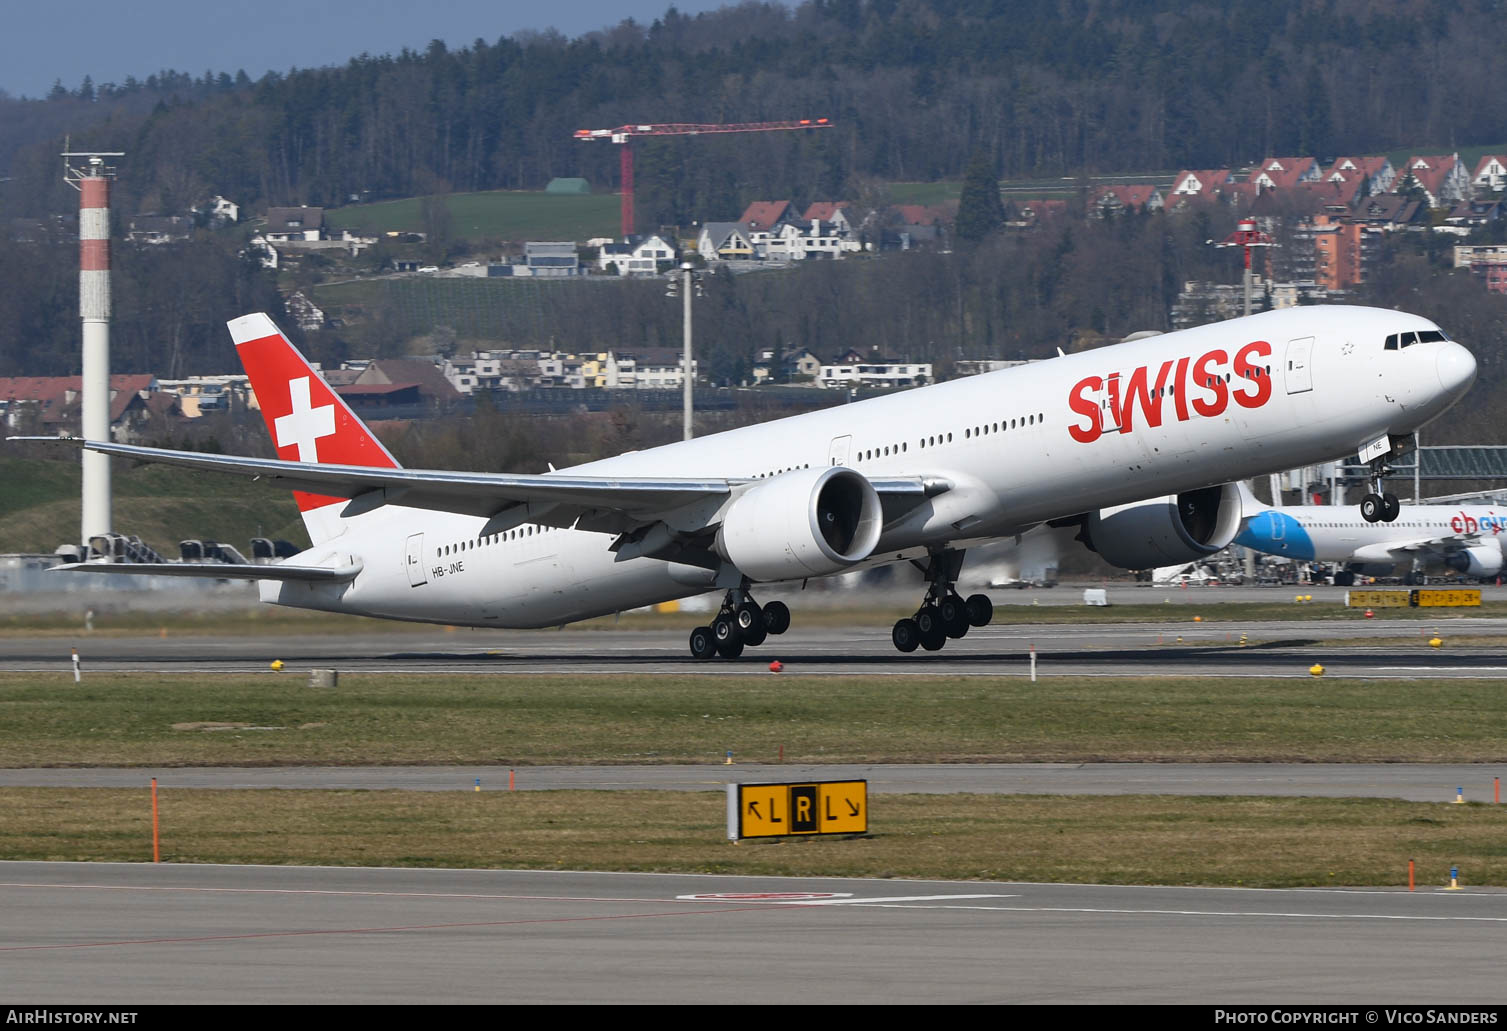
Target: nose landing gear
(740, 623)
(1377, 506)
(943, 613)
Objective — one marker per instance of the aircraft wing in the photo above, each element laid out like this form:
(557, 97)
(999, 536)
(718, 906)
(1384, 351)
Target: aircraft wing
(218, 570)
(608, 504)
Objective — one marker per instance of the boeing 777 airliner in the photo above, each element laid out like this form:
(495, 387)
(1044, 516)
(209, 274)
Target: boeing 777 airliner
(1137, 443)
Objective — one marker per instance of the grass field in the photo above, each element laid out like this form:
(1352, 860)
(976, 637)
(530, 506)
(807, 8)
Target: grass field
(39, 507)
(1253, 842)
(508, 215)
(371, 719)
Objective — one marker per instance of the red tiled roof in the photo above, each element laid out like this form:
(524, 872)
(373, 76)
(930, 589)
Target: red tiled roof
(1282, 171)
(823, 209)
(764, 214)
(56, 393)
(1432, 173)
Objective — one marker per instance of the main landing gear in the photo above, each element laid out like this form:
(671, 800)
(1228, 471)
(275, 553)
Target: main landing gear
(1378, 507)
(943, 613)
(740, 622)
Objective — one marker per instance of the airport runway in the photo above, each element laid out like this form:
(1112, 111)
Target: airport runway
(1380, 648)
(1416, 782)
(124, 934)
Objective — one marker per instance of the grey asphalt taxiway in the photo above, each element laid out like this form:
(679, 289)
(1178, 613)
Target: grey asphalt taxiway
(123, 934)
(1392, 649)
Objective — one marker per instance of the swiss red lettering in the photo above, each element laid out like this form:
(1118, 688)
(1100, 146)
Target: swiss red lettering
(1087, 408)
(1197, 385)
(1150, 399)
(1212, 382)
(1180, 389)
(1253, 374)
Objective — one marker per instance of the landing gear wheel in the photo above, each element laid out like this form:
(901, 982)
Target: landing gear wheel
(750, 621)
(933, 640)
(1390, 508)
(906, 635)
(703, 644)
(980, 609)
(776, 617)
(1371, 508)
(725, 632)
(730, 649)
(927, 621)
(953, 610)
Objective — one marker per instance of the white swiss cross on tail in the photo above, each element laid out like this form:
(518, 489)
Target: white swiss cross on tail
(305, 424)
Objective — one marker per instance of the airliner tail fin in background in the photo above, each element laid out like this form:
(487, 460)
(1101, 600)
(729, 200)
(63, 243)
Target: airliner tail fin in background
(308, 421)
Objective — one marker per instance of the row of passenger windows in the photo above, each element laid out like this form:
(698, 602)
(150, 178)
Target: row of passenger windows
(1400, 340)
(495, 538)
(1004, 425)
(776, 472)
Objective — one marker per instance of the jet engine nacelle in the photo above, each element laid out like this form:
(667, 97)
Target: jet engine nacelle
(1166, 531)
(1481, 560)
(807, 522)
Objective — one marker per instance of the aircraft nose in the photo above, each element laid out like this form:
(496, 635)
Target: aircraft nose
(1457, 368)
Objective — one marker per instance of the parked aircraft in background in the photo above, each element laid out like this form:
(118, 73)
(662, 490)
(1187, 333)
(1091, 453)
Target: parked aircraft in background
(1463, 539)
(1135, 444)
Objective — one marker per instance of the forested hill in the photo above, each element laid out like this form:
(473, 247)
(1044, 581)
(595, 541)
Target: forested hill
(914, 86)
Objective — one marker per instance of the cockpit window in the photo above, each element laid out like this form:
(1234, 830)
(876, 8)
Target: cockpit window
(1427, 336)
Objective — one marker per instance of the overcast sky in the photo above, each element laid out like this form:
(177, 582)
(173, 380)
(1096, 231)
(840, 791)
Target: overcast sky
(41, 43)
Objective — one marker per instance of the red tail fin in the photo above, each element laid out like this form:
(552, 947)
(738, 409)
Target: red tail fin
(307, 420)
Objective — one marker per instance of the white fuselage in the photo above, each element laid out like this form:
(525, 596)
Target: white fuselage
(1020, 446)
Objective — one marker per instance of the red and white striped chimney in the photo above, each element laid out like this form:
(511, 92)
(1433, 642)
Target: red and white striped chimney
(93, 181)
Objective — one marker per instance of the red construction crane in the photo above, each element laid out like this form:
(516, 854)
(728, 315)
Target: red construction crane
(623, 133)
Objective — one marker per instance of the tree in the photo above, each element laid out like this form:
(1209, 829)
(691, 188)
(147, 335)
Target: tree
(980, 210)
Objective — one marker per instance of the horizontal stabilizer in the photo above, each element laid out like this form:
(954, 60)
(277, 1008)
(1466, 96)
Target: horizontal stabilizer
(218, 570)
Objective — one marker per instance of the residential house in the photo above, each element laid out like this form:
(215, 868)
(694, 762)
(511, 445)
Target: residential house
(1116, 200)
(1490, 173)
(725, 241)
(883, 373)
(288, 225)
(1376, 173)
(1441, 177)
(50, 404)
(217, 212)
(551, 258)
(204, 395)
(1280, 173)
(1470, 215)
(1387, 211)
(646, 368)
(797, 239)
(1199, 184)
(641, 256)
(765, 216)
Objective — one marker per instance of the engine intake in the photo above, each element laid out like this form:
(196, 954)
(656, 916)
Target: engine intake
(1483, 560)
(1166, 531)
(807, 522)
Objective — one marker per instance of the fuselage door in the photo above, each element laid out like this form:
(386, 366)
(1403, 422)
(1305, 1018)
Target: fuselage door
(838, 453)
(1299, 365)
(413, 560)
